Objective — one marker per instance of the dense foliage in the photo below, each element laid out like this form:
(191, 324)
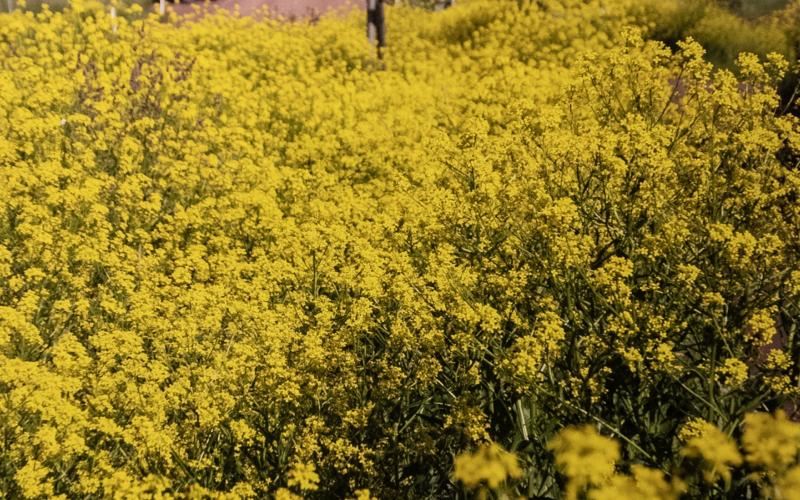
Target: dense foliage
(529, 252)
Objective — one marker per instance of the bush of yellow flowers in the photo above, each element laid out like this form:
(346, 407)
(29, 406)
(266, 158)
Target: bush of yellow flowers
(530, 252)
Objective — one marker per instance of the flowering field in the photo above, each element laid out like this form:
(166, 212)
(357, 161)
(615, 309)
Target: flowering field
(529, 253)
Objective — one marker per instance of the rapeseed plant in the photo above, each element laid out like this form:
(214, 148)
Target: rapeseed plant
(528, 252)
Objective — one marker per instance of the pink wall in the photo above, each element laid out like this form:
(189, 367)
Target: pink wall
(303, 7)
(287, 8)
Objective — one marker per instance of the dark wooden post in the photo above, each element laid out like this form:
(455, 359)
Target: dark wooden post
(376, 24)
(445, 4)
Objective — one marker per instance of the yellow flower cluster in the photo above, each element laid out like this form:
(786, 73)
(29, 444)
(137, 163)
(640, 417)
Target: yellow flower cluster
(585, 457)
(589, 460)
(717, 451)
(490, 464)
(246, 258)
(770, 449)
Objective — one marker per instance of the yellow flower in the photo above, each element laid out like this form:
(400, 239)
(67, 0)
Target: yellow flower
(284, 494)
(304, 477)
(761, 327)
(363, 494)
(771, 442)
(584, 456)
(489, 464)
(717, 451)
(734, 372)
(31, 479)
(643, 483)
(695, 427)
(787, 486)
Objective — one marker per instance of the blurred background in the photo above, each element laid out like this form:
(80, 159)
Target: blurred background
(724, 27)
